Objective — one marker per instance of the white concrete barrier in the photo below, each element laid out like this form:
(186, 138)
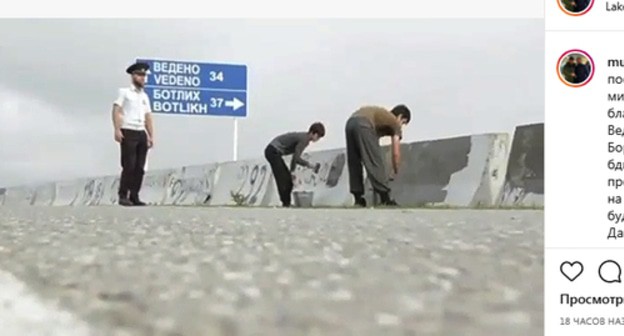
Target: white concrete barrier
(461, 171)
(90, 192)
(153, 189)
(524, 182)
(493, 179)
(24, 195)
(44, 194)
(193, 185)
(66, 193)
(328, 187)
(109, 190)
(473, 171)
(245, 183)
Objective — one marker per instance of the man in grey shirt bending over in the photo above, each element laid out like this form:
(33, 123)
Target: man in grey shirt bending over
(291, 143)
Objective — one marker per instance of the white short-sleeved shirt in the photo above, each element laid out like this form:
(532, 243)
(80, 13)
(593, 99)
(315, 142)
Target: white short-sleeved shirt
(135, 104)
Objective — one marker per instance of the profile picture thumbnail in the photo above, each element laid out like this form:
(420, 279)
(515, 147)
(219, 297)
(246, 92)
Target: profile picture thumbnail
(575, 7)
(575, 68)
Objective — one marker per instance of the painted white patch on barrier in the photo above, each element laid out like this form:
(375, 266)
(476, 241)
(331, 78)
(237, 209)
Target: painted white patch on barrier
(464, 183)
(22, 313)
(493, 178)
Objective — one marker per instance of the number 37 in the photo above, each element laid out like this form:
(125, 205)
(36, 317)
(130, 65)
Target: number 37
(216, 102)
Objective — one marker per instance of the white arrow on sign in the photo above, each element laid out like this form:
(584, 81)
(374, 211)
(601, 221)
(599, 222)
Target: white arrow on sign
(235, 104)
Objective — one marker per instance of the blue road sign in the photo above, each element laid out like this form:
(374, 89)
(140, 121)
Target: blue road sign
(176, 87)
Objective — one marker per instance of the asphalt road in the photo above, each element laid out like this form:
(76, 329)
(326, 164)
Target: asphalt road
(228, 271)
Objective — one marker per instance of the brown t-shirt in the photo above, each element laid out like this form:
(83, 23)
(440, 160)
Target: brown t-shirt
(384, 122)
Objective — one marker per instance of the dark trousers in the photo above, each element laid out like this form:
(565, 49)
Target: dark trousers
(363, 149)
(133, 155)
(283, 177)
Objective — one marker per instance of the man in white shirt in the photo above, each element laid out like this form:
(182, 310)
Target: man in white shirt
(134, 131)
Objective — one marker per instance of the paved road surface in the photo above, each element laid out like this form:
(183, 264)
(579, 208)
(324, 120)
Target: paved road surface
(219, 271)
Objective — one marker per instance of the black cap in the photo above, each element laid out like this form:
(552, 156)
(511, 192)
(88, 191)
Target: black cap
(138, 67)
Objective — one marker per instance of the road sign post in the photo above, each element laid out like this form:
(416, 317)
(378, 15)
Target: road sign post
(194, 88)
(235, 145)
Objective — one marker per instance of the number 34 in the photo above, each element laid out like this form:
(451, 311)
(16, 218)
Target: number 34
(216, 76)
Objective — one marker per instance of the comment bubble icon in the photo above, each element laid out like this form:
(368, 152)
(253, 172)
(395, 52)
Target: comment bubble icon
(610, 272)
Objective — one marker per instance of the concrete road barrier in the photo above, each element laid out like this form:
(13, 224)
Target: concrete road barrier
(524, 182)
(248, 183)
(463, 171)
(483, 170)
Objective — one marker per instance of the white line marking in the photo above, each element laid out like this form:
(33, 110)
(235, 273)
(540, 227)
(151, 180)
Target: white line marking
(22, 313)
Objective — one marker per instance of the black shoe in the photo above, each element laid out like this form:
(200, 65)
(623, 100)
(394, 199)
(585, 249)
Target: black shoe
(136, 201)
(125, 201)
(390, 203)
(359, 201)
(386, 200)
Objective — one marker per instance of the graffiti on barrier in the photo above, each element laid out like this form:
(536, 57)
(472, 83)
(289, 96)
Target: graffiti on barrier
(525, 167)
(328, 175)
(91, 194)
(513, 195)
(113, 195)
(253, 180)
(191, 186)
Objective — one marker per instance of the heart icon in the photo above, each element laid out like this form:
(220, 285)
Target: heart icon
(571, 270)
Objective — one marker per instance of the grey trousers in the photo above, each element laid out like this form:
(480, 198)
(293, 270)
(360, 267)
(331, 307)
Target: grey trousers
(363, 149)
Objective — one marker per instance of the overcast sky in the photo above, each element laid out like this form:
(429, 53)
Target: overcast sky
(58, 79)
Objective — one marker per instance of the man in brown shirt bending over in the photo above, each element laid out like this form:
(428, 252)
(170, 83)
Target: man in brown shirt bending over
(363, 130)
